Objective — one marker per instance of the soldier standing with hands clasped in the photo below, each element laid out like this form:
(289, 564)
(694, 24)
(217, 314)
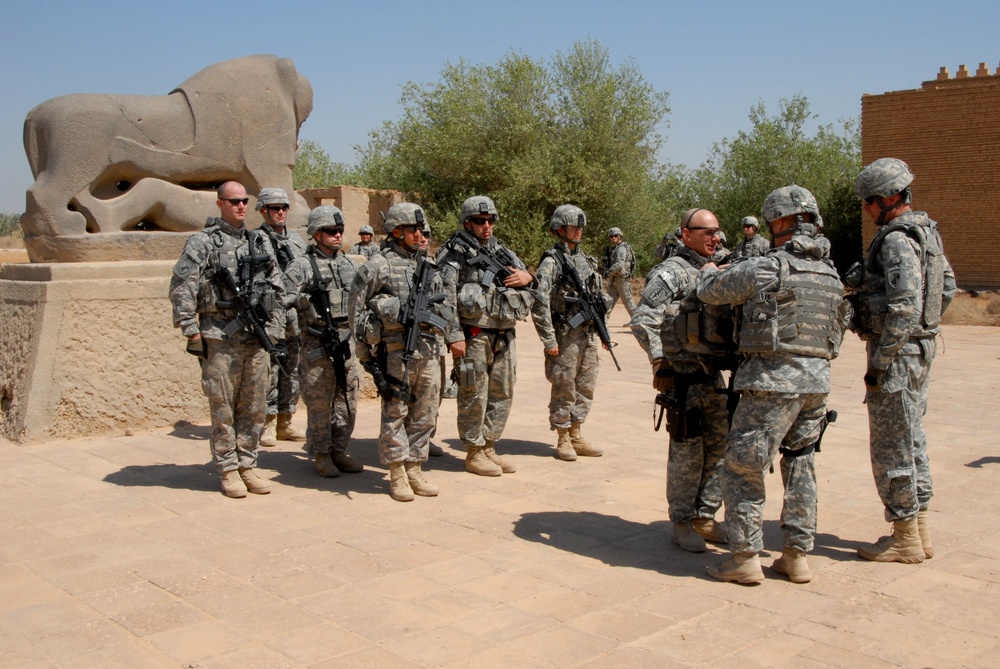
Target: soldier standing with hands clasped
(903, 287)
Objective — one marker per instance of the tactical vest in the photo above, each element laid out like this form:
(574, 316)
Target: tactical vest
(235, 253)
(800, 316)
(337, 274)
(871, 300)
(562, 310)
(691, 326)
(491, 306)
(283, 252)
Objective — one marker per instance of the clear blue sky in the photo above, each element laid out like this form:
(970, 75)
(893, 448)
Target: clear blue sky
(716, 59)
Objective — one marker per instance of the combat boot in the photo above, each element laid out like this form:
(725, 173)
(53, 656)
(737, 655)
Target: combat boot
(741, 568)
(346, 463)
(399, 482)
(794, 565)
(232, 485)
(325, 466)
(564, 447)
(477, 462)
(687, 538)
(925, 535)
(270, 436)
(505, 464)
(286, 431)
(418, 483)
(903, 545)
(581, 445)
(254, 483)
(710, 530)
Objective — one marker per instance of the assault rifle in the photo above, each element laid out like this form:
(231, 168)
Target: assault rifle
(417, 311)
(592, 307)
(495, 261)
(251, 314)
(387, 386)
(339, 352)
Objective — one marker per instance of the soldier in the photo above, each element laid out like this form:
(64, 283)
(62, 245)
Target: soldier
(235, 369)
(618, 265)
(485, 357)
(792, 317)
(366, 247)
(903, 287)
(689, 376)
(410, 391)
(318, 284)
(571, 361)
(283, 393)
(668, 245)
(752, 245)
(722, 255)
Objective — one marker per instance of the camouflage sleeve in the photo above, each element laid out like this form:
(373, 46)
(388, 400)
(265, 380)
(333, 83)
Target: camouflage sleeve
(185, 282)
(738, 282)
(541, 310)
(950, 287)
(449, 276)
(663, 284)
(296, 275)
(276, 279)
(899, 257)
(368, 280)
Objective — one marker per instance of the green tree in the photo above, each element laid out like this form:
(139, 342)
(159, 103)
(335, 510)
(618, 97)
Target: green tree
(777, 151)
(315, 169)
(531, 136)
(10, 225)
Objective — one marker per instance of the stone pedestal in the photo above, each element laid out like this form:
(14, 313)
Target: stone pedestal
(89, 348)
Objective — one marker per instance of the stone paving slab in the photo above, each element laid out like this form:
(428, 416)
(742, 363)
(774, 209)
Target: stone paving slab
(121, 552)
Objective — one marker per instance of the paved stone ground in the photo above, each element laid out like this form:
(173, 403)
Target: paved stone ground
(121, 552)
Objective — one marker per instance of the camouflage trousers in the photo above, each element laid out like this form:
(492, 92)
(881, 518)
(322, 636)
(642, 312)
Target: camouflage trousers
(694, 465)
(573, 375)
(896, 433)
(329, 417)
(486, 377)
(764, 422)
(234, 378)
(407, 428)
(620, 287)
(283, 388)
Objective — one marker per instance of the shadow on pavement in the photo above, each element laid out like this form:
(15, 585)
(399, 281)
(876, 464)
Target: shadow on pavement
(187, 430)
(986, 460)
(181, 477)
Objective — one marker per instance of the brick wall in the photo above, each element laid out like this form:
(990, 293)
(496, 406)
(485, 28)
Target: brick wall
(948, 131)
(360, 206)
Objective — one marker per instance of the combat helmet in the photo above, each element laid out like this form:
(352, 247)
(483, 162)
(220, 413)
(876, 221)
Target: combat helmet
(268, 196)
(885, 177)
(403, 214)
(366, 230)
(614, 232)
(477, 205)
(797, 201)
(567, 215)
(324, 217)
(751, 221)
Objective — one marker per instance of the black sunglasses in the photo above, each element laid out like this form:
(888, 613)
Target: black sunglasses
(277, 207)
(235, 201)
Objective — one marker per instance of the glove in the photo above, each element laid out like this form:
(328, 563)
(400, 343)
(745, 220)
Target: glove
(196, 347)
(663, 376)
(873, 377)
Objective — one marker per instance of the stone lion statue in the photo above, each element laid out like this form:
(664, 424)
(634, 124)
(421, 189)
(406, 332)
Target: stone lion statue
(128, 177)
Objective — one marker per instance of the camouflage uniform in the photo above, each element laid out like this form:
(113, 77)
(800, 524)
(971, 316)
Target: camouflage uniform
(283, 394)
(752, 247)
(236, 370)
(619, 262)
(782, 392)
(694, 487)
(369, 250)
(572, 373)
(331, 410)
(487, 317)
(901, 341)
(381, 286)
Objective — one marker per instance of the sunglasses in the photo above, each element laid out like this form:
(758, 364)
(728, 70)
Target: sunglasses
(277, 207)
(236, 201)
(481, 221)
(871, 199)
(713, 232)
